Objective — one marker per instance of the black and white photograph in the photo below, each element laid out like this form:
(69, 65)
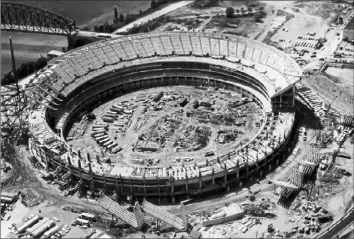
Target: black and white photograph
(183, 119)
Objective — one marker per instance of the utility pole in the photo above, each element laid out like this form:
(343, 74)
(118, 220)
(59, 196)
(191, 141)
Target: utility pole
(14, 65)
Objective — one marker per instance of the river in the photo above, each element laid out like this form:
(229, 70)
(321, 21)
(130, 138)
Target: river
(30, 46)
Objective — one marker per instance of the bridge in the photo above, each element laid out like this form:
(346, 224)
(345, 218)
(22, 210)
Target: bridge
(23, 18)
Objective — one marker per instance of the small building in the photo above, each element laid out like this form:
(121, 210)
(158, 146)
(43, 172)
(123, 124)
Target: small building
(54, 53)
(348, 32)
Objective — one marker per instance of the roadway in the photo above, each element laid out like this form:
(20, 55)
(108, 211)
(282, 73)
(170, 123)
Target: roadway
(159, 13)
(337, 228)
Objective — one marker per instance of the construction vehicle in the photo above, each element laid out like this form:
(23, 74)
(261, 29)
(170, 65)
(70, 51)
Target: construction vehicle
(270, 228)
(251, 195)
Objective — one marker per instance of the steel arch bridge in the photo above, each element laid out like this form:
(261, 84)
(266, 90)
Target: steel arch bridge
(23, 18)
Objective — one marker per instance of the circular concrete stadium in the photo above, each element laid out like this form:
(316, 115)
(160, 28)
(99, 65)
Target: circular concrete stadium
(176, 115)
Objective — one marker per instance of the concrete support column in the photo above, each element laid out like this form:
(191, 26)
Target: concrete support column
(70, 166)
(237, 173)
(247, 169)
(187, 191)
(121, 183)
(281, 100)
(225, 174)
(200, 181)
(98, 159)
(117, 187)
(159, 189)
(104, 184)
(144, 188)
(173, 189)
(131, 185)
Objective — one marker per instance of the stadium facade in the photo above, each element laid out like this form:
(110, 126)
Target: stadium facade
(83, 78)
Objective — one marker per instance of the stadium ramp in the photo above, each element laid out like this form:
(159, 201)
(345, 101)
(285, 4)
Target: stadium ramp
(163, 215)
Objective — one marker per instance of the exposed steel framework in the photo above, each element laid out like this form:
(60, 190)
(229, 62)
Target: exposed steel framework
(24, 18)
(14, 111)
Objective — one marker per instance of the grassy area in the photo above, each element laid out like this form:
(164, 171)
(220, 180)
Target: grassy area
(325, 9)
(222, 21)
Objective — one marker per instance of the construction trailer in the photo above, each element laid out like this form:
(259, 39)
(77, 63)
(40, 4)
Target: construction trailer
(87, 216)
(116, 149)
(116, 110)
(108, 119)
(101, 137)
(29, 223)
(82, 222)
(13, 196)
(51, 231)
(44, 227)
(102, 141)
(37, 225)
(7, 200)
(105, 144)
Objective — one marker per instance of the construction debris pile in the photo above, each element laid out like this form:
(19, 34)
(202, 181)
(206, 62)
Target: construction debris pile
(193, 138)
(154, 138)
(30, 198)
(227, 136)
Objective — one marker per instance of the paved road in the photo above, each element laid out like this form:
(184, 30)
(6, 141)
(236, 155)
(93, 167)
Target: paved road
(338, 228)
(163, 11)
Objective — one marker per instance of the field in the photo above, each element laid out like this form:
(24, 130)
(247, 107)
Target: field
(174, 137)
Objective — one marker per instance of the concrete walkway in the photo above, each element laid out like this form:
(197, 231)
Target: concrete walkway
(159, 13)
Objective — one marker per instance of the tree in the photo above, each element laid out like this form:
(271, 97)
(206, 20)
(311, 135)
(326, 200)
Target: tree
(121, 18)
(40, 63)
(153, 4)
(106, 28)
(115, 13)
(229, 12)
(91, 116)
(237, 11)
(101, 28)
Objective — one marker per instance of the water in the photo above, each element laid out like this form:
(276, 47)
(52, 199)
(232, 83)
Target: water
(30, 46)
(84, 11)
